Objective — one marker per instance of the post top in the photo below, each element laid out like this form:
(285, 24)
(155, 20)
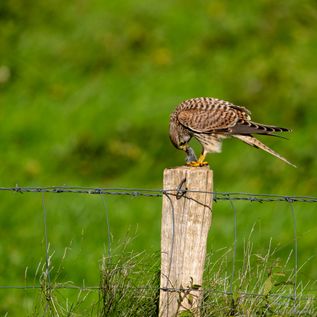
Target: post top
(189, 168)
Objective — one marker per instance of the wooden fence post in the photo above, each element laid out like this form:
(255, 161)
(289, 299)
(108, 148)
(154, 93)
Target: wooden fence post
(186, 219)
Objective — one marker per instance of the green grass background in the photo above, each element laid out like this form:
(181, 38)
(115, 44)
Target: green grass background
(86, 89)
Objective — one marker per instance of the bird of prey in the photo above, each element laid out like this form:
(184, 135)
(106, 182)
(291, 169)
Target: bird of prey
(211, 120)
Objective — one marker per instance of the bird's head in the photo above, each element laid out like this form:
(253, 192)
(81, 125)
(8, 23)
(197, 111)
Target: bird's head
(179, 136)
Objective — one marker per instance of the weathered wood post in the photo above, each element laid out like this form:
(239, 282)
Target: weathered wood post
(186, 219)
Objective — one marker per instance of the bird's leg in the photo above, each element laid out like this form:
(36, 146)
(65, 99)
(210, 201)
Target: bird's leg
(201, 159)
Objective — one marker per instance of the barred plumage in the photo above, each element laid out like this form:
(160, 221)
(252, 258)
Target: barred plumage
(211, 120)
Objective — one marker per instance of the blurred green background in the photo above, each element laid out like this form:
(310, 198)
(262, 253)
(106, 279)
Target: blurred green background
(86, 89)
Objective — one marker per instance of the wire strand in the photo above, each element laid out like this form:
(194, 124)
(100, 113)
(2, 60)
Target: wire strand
(144, 192)
(295, 255)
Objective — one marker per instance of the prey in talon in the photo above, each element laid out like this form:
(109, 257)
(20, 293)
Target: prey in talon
(190, 156)
(191, 159)
(212, 120)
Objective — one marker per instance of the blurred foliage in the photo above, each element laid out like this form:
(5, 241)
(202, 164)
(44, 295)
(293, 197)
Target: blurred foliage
(91, 84)
(86, 89)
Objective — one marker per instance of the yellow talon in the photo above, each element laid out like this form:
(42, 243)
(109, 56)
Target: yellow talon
(197, 164)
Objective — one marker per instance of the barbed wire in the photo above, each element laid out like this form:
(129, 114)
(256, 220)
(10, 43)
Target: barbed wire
(144, 192)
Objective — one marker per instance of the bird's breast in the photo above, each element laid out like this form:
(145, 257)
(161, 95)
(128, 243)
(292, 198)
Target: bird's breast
(211, 143)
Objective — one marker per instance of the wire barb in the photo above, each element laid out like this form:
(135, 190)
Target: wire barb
(181, 191)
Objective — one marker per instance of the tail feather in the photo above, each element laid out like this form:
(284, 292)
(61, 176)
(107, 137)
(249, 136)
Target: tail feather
(258, 144)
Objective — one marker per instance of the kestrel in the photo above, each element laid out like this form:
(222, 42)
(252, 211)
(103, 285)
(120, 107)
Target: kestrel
(212, 120)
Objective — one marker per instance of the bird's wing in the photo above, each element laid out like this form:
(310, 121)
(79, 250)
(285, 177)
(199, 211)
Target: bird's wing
(209, 120)
(225, 118)
(248, 127)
